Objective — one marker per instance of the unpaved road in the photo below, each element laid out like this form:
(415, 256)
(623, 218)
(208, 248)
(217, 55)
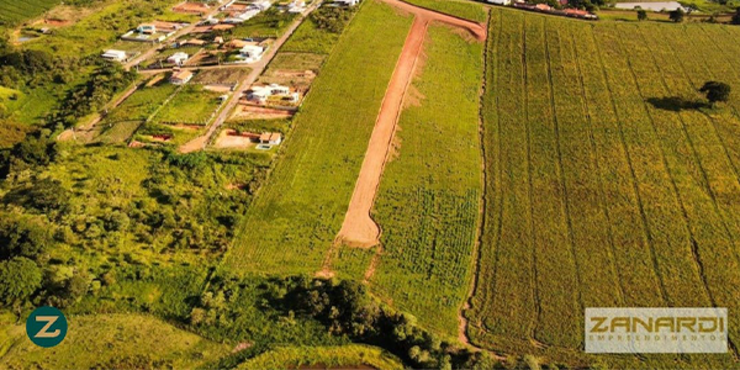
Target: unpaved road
(358, 228)
(200, 142)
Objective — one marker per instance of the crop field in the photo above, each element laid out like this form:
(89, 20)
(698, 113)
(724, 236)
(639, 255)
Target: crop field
(459, 8)
(296, 215)
(192, 105)
(113, 341)
(14, 11)
(429, 195)
(608, 182)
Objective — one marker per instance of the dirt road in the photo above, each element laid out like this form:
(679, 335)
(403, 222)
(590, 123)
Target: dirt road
(200, 142)
(358, 228)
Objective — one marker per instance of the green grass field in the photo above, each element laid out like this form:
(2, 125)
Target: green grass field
(295, 217)
(111, 341)
(429, 196)
(192, 105)
(459, 8)
(348, 356)
(605, 187)
(14, 11)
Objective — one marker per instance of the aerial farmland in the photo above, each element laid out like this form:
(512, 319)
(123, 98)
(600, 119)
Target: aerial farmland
(369, 184)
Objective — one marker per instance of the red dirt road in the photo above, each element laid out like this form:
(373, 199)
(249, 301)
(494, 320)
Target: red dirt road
(358, 228)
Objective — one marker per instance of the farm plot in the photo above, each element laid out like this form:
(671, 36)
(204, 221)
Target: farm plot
(320, 32)
(192, 106)
(608, 182)
(459, 8)
(121, 123)
(14, 11)
(295, 217)
(428, 201)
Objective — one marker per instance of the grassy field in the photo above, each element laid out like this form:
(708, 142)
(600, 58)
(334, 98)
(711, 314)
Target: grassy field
(428, 202)
(347, 356)
(270, 23)
(14, 11)
(294, 219)
(606, 185)
(460, 8)
(192, 105)
(111, 341)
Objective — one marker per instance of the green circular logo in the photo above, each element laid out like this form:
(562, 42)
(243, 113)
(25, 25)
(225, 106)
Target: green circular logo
(46, 327)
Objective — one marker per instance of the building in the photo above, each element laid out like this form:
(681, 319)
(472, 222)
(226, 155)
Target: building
(181, 77)
(147, 29)
(297, 6)
(178, 58)
(271, 138)
(499, 2)
(260, 94)
(218, 40)
(195, 42)
(262, 5)
(115, 55)
(251, 53)
(346, 2)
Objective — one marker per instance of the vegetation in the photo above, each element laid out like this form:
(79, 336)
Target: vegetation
(299, 213)
(270, 23)
(113, 342)
(677, 15)
(597, 156)
(13, 11)
(463, 9)
(716, 91)
(428, 202)
(320, 32)
(192, 105)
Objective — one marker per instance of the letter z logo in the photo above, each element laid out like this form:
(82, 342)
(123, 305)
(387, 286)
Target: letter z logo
(44, 333)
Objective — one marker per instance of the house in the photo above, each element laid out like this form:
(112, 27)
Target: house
(147, 29)
(178, 58)
(242, 17)
(222, 27)
(297, 6)
(194, 42)
(115, 55)
(251, 53)
(499, 2)
(262, 93)
(346, 2)
(262, 5)
(271, 138)
(181, 77)
(218, 40)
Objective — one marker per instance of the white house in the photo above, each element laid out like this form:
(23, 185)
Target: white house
(262, 5)
(297, 6)
(251, 53)
(178, 58)
(115, 55)
(499, 2)
(346, 2)
(147, 29)
(271, 138)
(262, 93)
(181, 77)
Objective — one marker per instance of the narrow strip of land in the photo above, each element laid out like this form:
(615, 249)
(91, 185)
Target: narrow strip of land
(358, 228)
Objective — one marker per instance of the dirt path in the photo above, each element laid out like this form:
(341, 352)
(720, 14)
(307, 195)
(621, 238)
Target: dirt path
(200, 142)
(358, 228)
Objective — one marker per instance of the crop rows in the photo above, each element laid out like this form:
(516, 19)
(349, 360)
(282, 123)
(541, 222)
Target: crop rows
(429, 197)
(632, 190)
(296, 215)
(12, 11)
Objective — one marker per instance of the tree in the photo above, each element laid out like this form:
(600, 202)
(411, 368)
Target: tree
(736, 17)
(21, 277)
(642, 15)
(677, 15)
(716, 91)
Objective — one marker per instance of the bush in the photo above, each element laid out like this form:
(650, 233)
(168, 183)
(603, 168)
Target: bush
(20, 278)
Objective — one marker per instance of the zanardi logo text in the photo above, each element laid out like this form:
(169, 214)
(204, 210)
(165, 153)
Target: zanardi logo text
(656, 330)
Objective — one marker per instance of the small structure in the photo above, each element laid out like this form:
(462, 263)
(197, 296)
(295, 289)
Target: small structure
(242, 17)
(115, 55)
(251, 53)
(260, 94)
(346, 2)
(218, 40)
(499, 2)
(222, 27)
(181, 77)
(271, 138)
(297, 6)
(195, 42)
(261, 5)
(146, 29)
(178, 58)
